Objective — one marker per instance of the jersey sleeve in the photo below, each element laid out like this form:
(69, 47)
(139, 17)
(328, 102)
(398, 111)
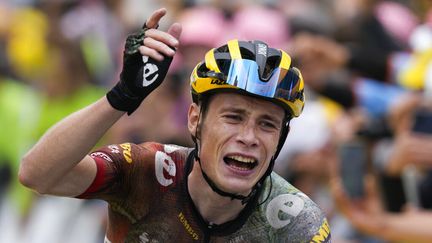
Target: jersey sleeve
(119, 166)
(293, 216)
(311, 224)
(323, 233)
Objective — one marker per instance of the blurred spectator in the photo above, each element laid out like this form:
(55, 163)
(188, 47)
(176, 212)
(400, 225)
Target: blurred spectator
(360, 46)
(397, 203)
(36, 54)
(97, 29)
(350, 64)
(308, 16)
(272, 23)
(203, 28)
(26, 45)
(369, 217)
(22, 58)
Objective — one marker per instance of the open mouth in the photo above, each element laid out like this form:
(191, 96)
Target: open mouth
(240, 162)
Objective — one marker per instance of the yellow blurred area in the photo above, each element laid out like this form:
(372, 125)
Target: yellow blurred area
(414, 75)
(27, 48)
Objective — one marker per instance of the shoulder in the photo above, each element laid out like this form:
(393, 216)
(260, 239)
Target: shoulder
(291, 212)
(127, 165)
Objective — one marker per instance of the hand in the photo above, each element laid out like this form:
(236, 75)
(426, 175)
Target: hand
(410, 148)
(319, 56)
(369, 217)
(146, 58)
(366, 214)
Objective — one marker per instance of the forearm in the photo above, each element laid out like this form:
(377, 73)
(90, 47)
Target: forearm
(66, 144)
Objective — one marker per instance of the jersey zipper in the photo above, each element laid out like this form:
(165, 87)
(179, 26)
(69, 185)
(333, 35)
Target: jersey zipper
(207, 233)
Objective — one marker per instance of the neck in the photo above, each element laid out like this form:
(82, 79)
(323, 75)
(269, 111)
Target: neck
(212, 207)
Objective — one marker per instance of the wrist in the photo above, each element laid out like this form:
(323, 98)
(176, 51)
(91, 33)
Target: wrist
(120, 98)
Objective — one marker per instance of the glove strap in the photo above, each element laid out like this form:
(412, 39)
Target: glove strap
(121, 98)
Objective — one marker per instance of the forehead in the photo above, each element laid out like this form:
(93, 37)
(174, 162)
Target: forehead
(248, 103)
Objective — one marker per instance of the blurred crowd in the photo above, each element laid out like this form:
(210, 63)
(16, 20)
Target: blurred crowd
(362, 149)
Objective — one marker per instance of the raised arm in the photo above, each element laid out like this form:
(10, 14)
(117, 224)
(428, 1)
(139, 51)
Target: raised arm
(58, 164)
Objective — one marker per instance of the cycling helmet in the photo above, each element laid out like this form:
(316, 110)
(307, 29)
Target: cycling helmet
(251, 68)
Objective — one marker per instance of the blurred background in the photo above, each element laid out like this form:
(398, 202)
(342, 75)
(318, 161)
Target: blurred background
(367, 65)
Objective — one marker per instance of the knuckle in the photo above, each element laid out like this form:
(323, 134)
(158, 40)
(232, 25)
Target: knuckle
(151, 32)
(146, 41)
(154, 52)
(149, 42)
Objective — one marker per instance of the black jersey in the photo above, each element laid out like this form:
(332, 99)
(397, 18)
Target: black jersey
(146, 188)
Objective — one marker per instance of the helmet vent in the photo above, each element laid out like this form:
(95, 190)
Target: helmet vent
(247, 54)
(271, 64)
(202, 70)
(223, 49)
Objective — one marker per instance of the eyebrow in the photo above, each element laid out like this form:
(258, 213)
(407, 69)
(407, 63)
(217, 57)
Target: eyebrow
(272, 118)
(233, 109)
(243, 111)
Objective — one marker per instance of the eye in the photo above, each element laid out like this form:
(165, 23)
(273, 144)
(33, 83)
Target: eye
(233, 117)
(269, 125)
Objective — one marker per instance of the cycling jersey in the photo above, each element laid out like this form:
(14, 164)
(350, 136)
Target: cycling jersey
(146, 189)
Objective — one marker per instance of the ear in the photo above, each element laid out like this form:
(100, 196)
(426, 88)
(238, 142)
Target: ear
(193, 118)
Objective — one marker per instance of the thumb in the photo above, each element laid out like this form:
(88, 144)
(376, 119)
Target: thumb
(175, 30)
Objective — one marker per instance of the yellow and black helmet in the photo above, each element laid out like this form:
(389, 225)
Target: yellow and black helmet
(251, 68)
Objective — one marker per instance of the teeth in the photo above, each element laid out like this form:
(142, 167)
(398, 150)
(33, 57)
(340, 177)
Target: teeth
(242, 159)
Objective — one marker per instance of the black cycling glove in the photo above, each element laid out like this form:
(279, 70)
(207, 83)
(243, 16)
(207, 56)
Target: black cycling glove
(139, 77)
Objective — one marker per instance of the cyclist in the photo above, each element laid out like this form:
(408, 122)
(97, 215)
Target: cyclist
(223, 190)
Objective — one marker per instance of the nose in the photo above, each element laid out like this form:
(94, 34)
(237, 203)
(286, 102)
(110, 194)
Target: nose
(247, 135)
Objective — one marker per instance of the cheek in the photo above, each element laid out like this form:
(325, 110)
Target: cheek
(217, 131)
(271, 142)
(216, 136)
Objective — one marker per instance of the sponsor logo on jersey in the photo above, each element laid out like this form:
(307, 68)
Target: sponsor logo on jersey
(170, 148)
(114, 149)
(127, 152)
(187, 226)
(164, 164)
(150, 72)
(323, 234)
(282, 209)
(101, 155)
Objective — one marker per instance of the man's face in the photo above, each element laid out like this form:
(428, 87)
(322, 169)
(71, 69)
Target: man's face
(238, 138)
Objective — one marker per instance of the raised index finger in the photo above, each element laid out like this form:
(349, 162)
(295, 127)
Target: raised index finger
(153, 21)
